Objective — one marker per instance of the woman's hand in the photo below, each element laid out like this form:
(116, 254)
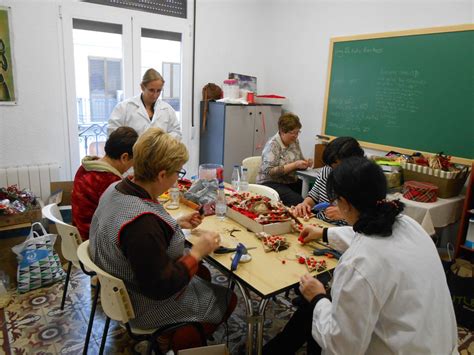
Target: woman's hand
(301, 165)
(302, 209)
(190, 221)
(206, 243)
(310, 233)
(311, 287)
(333, 213)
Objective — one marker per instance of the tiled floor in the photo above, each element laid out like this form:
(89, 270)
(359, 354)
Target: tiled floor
(33, 323)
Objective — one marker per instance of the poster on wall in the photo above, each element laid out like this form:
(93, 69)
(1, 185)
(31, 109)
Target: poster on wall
(7, 85)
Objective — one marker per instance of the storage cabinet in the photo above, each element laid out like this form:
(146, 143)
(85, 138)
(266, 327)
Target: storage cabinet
(461, 249)
(235, 132)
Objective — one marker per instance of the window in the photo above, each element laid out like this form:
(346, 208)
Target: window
(98, 73)
(106, 54)
(171, 73)
(105, 87)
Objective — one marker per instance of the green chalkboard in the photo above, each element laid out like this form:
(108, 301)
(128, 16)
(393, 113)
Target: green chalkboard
(412, 90)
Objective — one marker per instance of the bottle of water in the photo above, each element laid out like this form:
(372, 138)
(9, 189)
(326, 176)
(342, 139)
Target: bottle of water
(236, 178)
(244, 182)
(221, 203)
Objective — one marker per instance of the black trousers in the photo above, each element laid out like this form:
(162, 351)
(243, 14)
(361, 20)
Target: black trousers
(295, 334)
(290, 194)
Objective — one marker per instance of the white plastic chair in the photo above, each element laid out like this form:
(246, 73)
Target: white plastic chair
(70, 241)
(265, 191)
(117, 306)
(253, 166)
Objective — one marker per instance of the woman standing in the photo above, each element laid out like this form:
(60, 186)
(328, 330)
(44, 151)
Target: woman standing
(389, 293)
(281, 157)
(145, 110)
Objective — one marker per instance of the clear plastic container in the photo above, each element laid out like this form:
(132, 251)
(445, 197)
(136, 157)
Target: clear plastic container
(211, 171)
(236, 178)
(221, 203)
(174, 198)
(231, 89)
(244, 182)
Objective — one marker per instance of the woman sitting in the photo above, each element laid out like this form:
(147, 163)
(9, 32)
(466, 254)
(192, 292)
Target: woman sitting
(281, 157)
(134, 238)
(389, 293)
(337, 150)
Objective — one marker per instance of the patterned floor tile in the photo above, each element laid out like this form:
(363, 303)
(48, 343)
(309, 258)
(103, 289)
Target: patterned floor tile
(34, 324)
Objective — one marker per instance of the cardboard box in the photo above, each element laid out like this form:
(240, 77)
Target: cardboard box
(393, 179)
(220, 349)
(30, 216)
(254, 226)
(66, 188)
(318, 155)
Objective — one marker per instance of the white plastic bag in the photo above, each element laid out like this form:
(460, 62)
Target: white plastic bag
(38, 264)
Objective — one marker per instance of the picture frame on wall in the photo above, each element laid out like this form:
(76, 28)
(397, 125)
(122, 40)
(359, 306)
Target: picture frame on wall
(7, 78)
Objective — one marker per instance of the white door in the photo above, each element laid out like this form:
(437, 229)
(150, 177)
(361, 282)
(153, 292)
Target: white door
(106, 52)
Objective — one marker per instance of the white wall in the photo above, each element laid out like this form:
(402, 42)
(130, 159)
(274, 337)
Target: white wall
(284, 43)
(292, 37)
(34, 131)
(300, 44)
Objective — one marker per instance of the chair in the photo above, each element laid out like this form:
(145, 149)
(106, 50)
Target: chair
(253, 166)
(116, 305)
(265, 191)
(70, 241)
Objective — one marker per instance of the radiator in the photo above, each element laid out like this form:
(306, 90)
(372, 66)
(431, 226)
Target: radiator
(37, 178)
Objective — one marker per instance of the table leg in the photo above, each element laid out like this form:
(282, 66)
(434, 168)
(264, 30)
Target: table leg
(250, 317)
(305, 187)
(260, 324)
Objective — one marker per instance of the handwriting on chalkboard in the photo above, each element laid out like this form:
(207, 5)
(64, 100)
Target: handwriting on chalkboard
(396, 92)
(346, 51)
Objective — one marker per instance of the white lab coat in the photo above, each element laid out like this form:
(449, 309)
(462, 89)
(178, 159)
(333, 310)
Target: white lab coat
(132, 113)
(389, 296)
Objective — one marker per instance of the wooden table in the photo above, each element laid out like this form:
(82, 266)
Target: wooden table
(267, 274)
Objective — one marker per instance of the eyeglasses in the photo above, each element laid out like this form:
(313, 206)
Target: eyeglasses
(294, 133)
(181, 173)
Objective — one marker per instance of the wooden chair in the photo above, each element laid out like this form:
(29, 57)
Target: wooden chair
(253, 166)
(117, 306)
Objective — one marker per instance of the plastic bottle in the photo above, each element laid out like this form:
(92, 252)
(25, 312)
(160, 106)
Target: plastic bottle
(236, 178)
(221, 203)
(244, 182)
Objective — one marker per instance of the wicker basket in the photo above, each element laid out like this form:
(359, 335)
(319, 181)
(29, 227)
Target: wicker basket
(449, 184)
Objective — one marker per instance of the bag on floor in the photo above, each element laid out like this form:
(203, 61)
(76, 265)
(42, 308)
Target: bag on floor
(460, 277)
(38, 264)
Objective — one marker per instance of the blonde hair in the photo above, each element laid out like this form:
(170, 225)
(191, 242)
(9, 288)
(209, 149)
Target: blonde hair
(151, 75)
(155, 151)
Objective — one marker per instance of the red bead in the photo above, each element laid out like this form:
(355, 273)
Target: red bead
(301, 260)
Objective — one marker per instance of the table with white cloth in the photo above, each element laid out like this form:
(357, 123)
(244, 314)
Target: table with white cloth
(431, 215)
(308, 177)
